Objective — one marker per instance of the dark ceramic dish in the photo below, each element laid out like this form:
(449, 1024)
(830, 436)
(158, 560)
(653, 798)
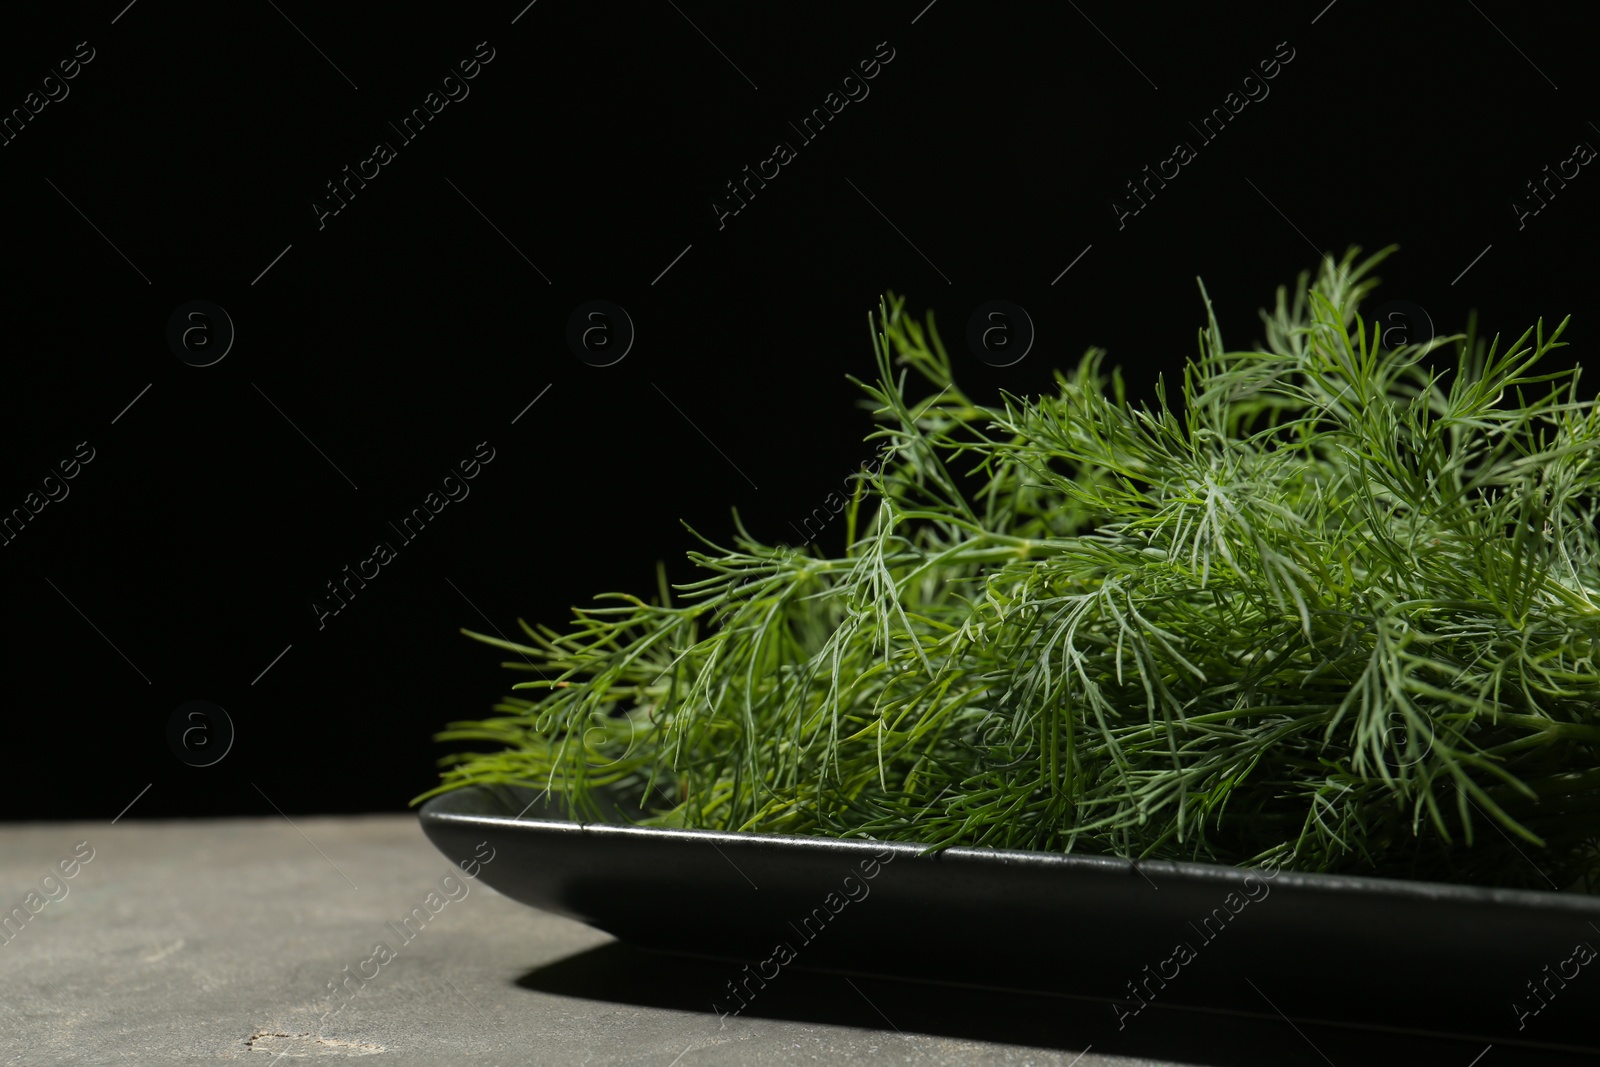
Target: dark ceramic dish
(1419, 958)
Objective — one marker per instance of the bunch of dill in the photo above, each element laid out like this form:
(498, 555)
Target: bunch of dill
(1334, 607)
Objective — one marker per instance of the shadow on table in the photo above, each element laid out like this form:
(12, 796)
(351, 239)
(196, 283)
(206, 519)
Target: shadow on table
(620, 973)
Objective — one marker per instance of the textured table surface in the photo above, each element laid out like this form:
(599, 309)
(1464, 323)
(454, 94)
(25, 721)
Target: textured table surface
(213, 941)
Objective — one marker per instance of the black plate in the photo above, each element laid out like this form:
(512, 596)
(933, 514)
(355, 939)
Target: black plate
(1417, 957)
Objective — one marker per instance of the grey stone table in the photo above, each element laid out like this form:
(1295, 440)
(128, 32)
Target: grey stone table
(221, 941)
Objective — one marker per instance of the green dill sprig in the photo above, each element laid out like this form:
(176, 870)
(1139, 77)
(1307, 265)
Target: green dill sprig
(1334, 605)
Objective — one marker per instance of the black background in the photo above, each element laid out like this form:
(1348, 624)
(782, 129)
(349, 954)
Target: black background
(425, 316)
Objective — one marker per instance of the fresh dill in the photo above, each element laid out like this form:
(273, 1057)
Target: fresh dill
(1336, 607)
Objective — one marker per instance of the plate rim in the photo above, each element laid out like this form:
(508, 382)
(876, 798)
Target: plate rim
(437, 810)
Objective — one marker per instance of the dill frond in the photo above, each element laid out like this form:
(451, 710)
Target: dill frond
(1334, 605)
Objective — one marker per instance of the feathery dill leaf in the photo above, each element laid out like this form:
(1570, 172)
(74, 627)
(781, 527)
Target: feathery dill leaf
(1333, 605)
